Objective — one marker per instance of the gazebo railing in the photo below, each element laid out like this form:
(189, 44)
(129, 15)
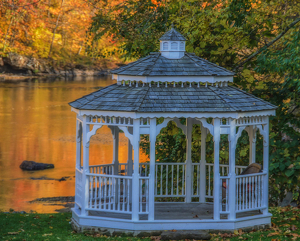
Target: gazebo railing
(224, 169)
(110, 193)
(224, 194)
(78, 188)
(170, 179)
(102, 169)
(249, 192)
(144, 195)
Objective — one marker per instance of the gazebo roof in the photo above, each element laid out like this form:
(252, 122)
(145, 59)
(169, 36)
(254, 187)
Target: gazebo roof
(172, 35)
(171, 99)
(157, 65)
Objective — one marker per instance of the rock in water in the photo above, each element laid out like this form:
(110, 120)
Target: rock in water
(31, 166)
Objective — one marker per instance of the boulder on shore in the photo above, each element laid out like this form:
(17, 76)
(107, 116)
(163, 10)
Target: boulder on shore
(31, 166)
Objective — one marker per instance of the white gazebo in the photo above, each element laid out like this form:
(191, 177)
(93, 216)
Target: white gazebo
(171, 85)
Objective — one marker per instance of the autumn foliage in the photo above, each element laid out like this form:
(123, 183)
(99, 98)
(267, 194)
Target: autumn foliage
(51, 28)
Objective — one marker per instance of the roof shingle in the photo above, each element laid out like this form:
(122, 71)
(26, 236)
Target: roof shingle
(171, 99)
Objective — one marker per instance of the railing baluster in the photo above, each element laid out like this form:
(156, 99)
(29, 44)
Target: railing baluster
(161, 181)
(96, 191)
(209, 191)
(177, 181)
(172, 191)
(167, 178)
(124, 193)
(141, 195)
(155, 189)
(252, 193)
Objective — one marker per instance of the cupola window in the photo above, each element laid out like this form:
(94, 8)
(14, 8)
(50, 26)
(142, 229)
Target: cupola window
(174, 46)
(165, 46)
(181, 46)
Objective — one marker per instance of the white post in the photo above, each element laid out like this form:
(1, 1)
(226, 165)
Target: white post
(78, 155)
(135, 175)
(266, 166)
(232, 181)
(129, 160)
(78, 144)
(216, 169)
(203, 165)
(188, 180)
(252, 144)
(116, 150)
(152, 168)
(85, 178)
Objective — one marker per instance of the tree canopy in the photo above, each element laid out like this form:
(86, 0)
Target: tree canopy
(259, 40)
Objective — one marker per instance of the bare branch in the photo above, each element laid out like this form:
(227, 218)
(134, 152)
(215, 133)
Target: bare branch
(268, 44)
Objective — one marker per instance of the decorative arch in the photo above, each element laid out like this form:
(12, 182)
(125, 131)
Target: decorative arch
(159, 127)
(91, 133)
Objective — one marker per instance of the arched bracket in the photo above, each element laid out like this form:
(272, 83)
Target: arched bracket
(91, 133)
(181, 126)
(263, 133)
(79, 132)
(162, 125)
(210, 127)
(239, 133)
(127, 134)
(114, 130)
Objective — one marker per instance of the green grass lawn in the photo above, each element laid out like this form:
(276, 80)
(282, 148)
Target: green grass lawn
(15, 226)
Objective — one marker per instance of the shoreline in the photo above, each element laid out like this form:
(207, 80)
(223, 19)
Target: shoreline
(11, 77)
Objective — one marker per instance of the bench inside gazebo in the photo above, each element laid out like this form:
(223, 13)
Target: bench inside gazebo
(171, 86)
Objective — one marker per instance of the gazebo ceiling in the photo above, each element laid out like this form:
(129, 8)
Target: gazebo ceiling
(187, 99)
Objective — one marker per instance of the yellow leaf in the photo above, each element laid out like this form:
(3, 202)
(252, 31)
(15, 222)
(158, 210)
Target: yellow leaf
(47, 234)
(273, 234)
(236, 232)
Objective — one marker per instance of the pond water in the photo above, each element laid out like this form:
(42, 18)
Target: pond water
(36, 123)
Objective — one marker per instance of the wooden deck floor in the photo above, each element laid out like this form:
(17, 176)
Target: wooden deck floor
(173, 211)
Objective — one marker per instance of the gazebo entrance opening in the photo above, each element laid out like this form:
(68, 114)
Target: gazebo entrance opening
(176, 190)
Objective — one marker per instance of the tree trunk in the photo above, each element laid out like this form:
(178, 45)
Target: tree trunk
(56, 25)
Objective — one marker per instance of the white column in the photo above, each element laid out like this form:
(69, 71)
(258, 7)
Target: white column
(135, 175)
(203, 165)
(129, 160)
(78, 144)
(188, 180)
(152, 168)
(266, 166)
(217, 183)
(116, 150)
(78, 158)
(232, 175)
(252, 144)
(85, 178)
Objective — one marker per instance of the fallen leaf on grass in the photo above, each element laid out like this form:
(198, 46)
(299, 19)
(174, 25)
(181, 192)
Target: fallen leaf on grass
(273, 234)
(13, 233)
(155, 238)
(47, 234)
(174, 230)
(293, 227)
(285, 225)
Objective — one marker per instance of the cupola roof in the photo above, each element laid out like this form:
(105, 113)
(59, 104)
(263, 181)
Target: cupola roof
(172, 35)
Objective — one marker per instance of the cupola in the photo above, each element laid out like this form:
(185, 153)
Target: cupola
(172, 44)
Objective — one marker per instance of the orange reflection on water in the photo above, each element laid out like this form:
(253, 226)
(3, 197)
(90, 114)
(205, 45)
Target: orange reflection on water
(36, 123)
